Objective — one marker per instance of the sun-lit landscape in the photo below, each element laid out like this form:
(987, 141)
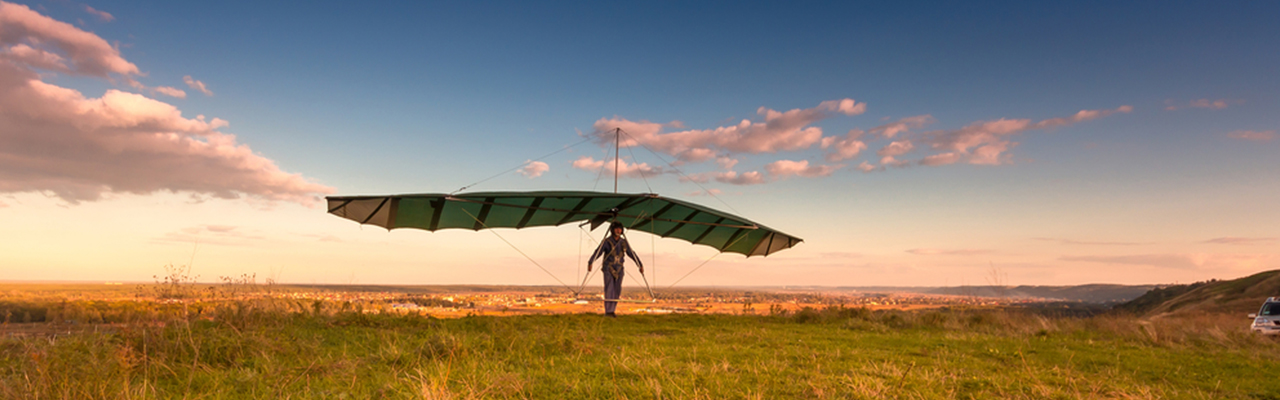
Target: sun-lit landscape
(244, 339)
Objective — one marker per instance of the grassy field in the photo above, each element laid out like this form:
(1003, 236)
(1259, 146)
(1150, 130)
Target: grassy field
(278, 349)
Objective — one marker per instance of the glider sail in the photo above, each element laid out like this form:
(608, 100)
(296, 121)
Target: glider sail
(647, 212)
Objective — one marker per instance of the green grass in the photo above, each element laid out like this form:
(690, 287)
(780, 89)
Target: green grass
(275, 350)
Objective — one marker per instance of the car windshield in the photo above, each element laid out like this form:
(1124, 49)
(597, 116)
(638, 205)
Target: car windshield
(1270, 309)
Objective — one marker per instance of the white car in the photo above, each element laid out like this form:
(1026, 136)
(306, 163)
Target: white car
(1267, 320)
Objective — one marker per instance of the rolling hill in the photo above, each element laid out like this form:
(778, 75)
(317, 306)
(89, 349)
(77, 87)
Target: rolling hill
(1242, 296)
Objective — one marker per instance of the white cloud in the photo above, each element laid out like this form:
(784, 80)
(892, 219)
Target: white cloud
(534, 169)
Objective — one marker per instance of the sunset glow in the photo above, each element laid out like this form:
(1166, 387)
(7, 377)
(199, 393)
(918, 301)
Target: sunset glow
(964, 145)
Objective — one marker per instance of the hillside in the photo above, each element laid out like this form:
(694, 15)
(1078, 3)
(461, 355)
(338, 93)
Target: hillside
(1238, 296)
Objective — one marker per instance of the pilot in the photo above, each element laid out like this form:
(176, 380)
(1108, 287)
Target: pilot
(613, 248)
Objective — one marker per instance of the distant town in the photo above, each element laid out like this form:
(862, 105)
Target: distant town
(452, 301)
(458, 301)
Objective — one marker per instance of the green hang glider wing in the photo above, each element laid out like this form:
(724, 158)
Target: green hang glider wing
(645, 212)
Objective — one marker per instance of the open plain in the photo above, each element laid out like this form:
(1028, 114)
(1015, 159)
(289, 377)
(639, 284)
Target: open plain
(244, 340)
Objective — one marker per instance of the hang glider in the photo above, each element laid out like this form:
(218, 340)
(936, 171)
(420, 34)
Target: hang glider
(646, 212)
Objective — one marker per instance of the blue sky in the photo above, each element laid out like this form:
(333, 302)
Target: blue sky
(426, 97)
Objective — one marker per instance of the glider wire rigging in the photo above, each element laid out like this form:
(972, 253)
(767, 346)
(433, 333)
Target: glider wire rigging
(522, 165)
(513, 246)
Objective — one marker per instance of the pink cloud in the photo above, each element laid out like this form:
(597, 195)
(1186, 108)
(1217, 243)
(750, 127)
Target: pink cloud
(891, 161)
(170, 91)
(534, 169)
(844, 148)
(888, 131)
(1081, 116)
(1206, 103)
(1203, 103)
(784, 168)
(729, 177)
(1257, 136)
(1240, 240)
(991, 154)
(222, 235)
(780, 131)
(703, 177)
(949, 252)
(102, 15)
(708, 192)
(220, 228)
(941, 159)
(197, 85)
(57, 140)
(87, 53)
(1159, 260)
(625, 169)
(726, 162)
(985, 142)
(36, 58)
(745, 178)
(896, 149)
(696, 155)
(1095, 243)
(1183, 261)
(844, 106)
(866, 167)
